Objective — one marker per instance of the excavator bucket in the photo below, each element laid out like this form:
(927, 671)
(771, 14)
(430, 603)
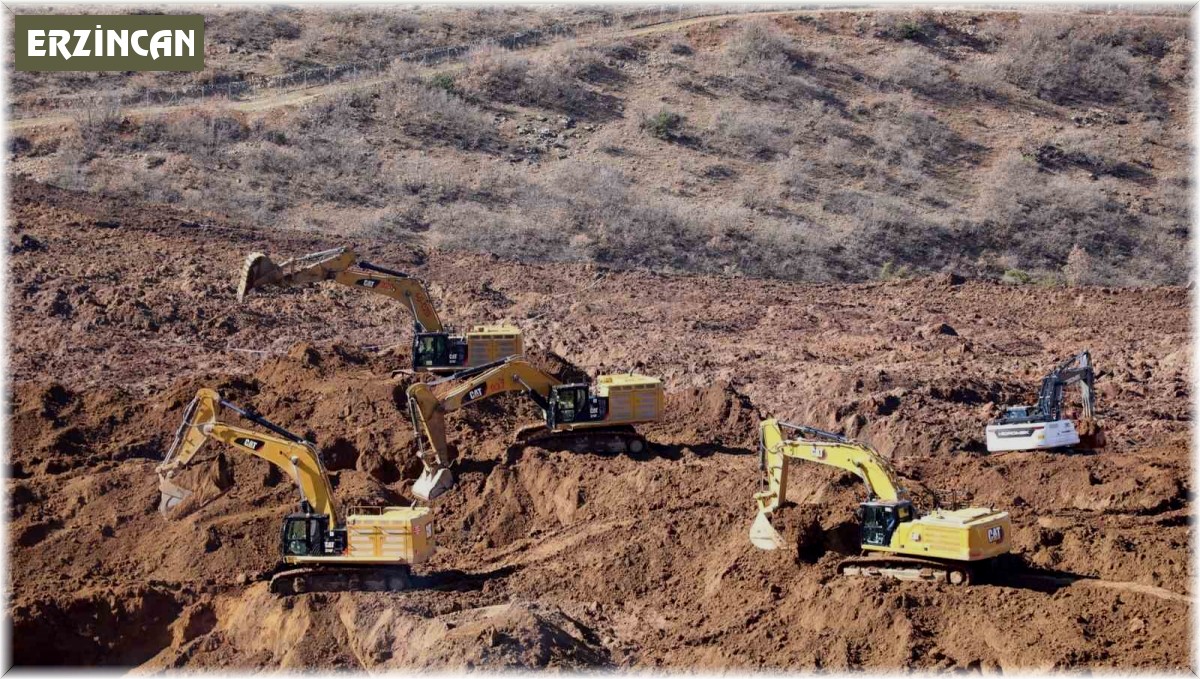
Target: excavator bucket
(256, 271)
(763, 535)
(1091, 435)
(172, 495)
(429, 486)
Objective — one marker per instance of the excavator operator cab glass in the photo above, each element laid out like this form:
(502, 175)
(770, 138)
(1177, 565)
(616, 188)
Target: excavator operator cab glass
(574, 403)
(303, 534)
(429, 349)
(880, 520)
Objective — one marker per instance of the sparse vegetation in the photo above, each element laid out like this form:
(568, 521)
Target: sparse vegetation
(664, 125)
(442, 81)
(1066, 64)
(1016, 277)
(816, 163)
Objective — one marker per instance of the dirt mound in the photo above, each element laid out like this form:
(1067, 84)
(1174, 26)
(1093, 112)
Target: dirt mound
(704, 419)
(368, 631)
(121, 626)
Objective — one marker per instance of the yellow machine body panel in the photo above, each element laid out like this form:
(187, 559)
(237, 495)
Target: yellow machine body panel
(631, 398)
(383, 536)
(973, 534)
(490, 343)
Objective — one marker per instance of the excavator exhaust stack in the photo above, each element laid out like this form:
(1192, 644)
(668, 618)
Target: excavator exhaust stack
(763, 535)
(257, 270)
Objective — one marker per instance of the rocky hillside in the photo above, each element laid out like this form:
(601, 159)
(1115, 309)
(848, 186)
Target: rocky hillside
(1040, 147)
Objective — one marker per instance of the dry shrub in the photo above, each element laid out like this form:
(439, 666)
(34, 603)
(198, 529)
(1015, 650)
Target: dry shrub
(759, 46)
(906, 137)
(799, 176)
(1067, 64)
(1078, 269)
(496, 75)
(252, 31)
(919, 70)
(97, 121)
(894, 26)
(435, 114)
(756, 134)
(1039, 217)
(358, 36)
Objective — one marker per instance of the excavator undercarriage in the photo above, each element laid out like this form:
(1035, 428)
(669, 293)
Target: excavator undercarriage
(618, 439)
(907, 568)
(306, 579)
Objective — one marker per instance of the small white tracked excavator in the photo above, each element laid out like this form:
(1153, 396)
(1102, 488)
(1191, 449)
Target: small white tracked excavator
(1045, 425)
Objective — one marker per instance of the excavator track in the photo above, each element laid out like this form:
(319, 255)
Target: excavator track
(341, 578)
(908, 568)
(619, 439)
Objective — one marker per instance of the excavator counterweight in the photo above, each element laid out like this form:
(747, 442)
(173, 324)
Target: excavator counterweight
(435, 348)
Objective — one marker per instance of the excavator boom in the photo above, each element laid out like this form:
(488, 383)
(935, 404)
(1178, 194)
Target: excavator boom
(290, 453)
(813, 445)
(428, 412)
(342, 266)
(323, 550)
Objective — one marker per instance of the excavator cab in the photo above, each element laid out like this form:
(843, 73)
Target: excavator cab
(437, 350)
(306, 533)
(574, 403)
(881, 518)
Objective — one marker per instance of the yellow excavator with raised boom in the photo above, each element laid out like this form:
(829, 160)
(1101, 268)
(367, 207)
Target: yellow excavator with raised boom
(368, 548)
(582, 417)
(435, 348)
(945, 545)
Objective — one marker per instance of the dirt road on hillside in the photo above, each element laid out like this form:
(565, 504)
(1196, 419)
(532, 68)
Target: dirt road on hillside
(274, 99)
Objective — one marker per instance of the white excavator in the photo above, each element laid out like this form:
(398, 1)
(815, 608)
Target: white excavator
(944, 545)
(1045, 426)
(435, 348)
(584, 417)
(323, 548)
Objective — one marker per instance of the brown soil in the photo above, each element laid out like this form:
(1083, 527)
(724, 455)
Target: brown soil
(566, 560)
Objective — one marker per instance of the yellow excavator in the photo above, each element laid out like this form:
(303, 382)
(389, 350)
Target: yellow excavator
(434, 348)
(584, 417)
(945, 545)
(368, 548)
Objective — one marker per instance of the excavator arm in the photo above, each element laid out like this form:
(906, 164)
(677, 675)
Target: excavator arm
(813, 445)
(821, 447)
(290, 453)
(1076, 370)
(428, 409)
(342, 266)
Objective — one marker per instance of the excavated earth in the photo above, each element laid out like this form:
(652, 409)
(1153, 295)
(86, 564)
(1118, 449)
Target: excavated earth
(120, 311)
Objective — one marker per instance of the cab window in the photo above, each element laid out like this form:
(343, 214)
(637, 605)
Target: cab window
(297, 538)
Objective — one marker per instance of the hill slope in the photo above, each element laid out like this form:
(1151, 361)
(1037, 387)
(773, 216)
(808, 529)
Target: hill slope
(813, 146)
